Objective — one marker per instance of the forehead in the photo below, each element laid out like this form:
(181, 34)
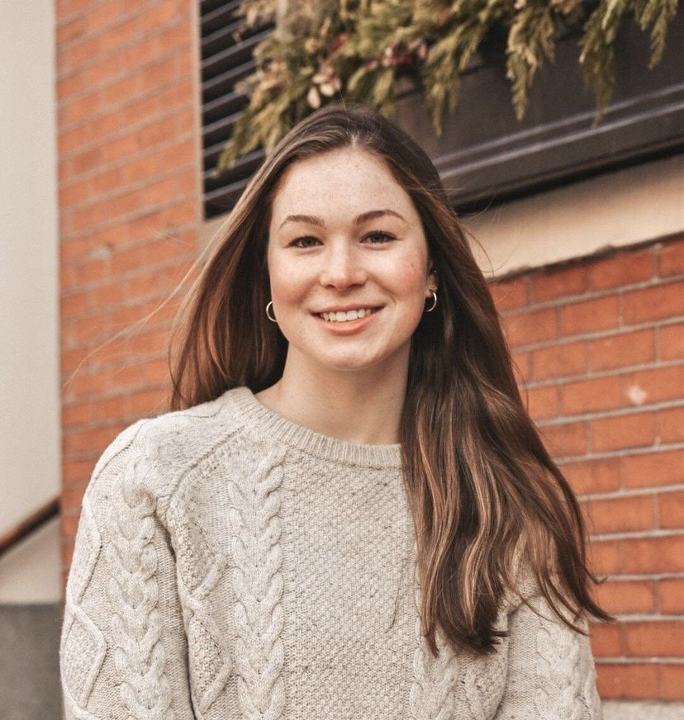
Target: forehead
(338, 181)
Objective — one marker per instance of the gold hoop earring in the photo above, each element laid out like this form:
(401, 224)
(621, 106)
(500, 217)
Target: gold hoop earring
(269, 311)
(434, 302)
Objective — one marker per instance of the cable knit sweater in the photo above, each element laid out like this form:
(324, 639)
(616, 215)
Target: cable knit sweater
(231, 564)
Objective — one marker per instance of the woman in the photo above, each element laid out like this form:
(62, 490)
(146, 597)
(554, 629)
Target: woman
(350, 514)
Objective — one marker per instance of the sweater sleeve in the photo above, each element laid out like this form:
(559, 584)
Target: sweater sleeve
(123, 649)
(550, 669)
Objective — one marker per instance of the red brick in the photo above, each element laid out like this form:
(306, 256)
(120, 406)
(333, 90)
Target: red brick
(102, 71)
(593, 476)
(80, 108)
(605, 556)
(93, 383)
(662, 554)
(147, 403)
(660, 302)
(160, 192)
(75, 303)
(87, 160)
(148, 342)
(176, 36)
(631, 681)
(123, 204)
(107, 180)
(85, 49)
(76, 472)
(101, 15)
(654, 385)
(145, 226)
(522, 367)
(158, 15)
(606, 640)
(171, 98)
(136, 55)
(69, 523)
(670, 424)
(70, 85)
(181, 154)
(542, 402)
(565, 439)
(653, 468)
(107, 124)
(590, 316)
(67, 556)
(671, 509)
(531, 327)
(70, 140)
(626, 596)
(603, 393)
(559, 282)
(157, 132)
(143, 168)
(78, 193)
(623, 431)
(672, 681)
(119, 147)
(70, 30)
(72, 359)
(140, 374)
(560, 360)
(122, 91)
(158, 74)
(622, 514)
(663, 638)
(624, 268)
(87, 272)
(108, 295)
(671, 258)
(94, 439)
(616, 351)
(671, 341)
(154, 252)
(120, 35)
(671, 594)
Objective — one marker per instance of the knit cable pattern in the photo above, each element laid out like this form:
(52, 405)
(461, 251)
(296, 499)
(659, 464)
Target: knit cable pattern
(432, 695)
(199, 571)
(557, 662)
(83, 645)
(258, 585)
(133, 590)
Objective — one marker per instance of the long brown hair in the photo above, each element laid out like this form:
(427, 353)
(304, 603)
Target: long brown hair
(479, 481)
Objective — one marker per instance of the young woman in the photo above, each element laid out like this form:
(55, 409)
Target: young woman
(349, 514)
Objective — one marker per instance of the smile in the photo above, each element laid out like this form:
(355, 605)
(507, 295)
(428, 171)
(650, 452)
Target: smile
(345, 316)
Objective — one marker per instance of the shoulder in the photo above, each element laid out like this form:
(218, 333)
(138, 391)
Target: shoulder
(155, 453)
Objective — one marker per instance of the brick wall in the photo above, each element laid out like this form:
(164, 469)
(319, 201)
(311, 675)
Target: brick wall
(128, 144)
(599, 344)
(600, 349)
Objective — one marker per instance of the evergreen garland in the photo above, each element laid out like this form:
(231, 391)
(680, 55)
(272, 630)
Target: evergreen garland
(319, 50)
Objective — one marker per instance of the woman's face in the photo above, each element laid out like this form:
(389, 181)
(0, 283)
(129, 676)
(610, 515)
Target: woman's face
(348, 264)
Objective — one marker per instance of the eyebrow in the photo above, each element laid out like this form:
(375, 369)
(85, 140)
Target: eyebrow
(359, 220)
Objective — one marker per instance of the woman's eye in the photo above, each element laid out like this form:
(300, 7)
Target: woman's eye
(377, 238)
(304, 242)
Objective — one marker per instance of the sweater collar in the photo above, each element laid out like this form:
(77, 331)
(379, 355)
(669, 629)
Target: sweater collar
(266, 423)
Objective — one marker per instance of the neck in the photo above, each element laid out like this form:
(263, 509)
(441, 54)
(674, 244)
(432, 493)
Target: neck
(363, 408)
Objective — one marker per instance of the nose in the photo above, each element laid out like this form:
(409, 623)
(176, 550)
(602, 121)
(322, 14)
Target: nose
(342, 267)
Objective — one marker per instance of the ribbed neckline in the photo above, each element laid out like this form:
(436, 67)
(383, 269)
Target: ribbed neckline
(266, 423)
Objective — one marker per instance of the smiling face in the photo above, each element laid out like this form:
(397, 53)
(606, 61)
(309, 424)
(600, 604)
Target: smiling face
(348, 264)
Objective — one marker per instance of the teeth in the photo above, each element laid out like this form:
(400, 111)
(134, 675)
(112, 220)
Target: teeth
(346, 316)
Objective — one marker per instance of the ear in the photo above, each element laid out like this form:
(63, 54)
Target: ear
(432, 282)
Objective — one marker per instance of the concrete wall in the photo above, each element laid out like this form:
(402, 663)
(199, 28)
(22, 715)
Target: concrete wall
(29, 379)
(30, 586)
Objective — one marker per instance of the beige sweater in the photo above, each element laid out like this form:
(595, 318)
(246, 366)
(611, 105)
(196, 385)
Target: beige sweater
(231, 564)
